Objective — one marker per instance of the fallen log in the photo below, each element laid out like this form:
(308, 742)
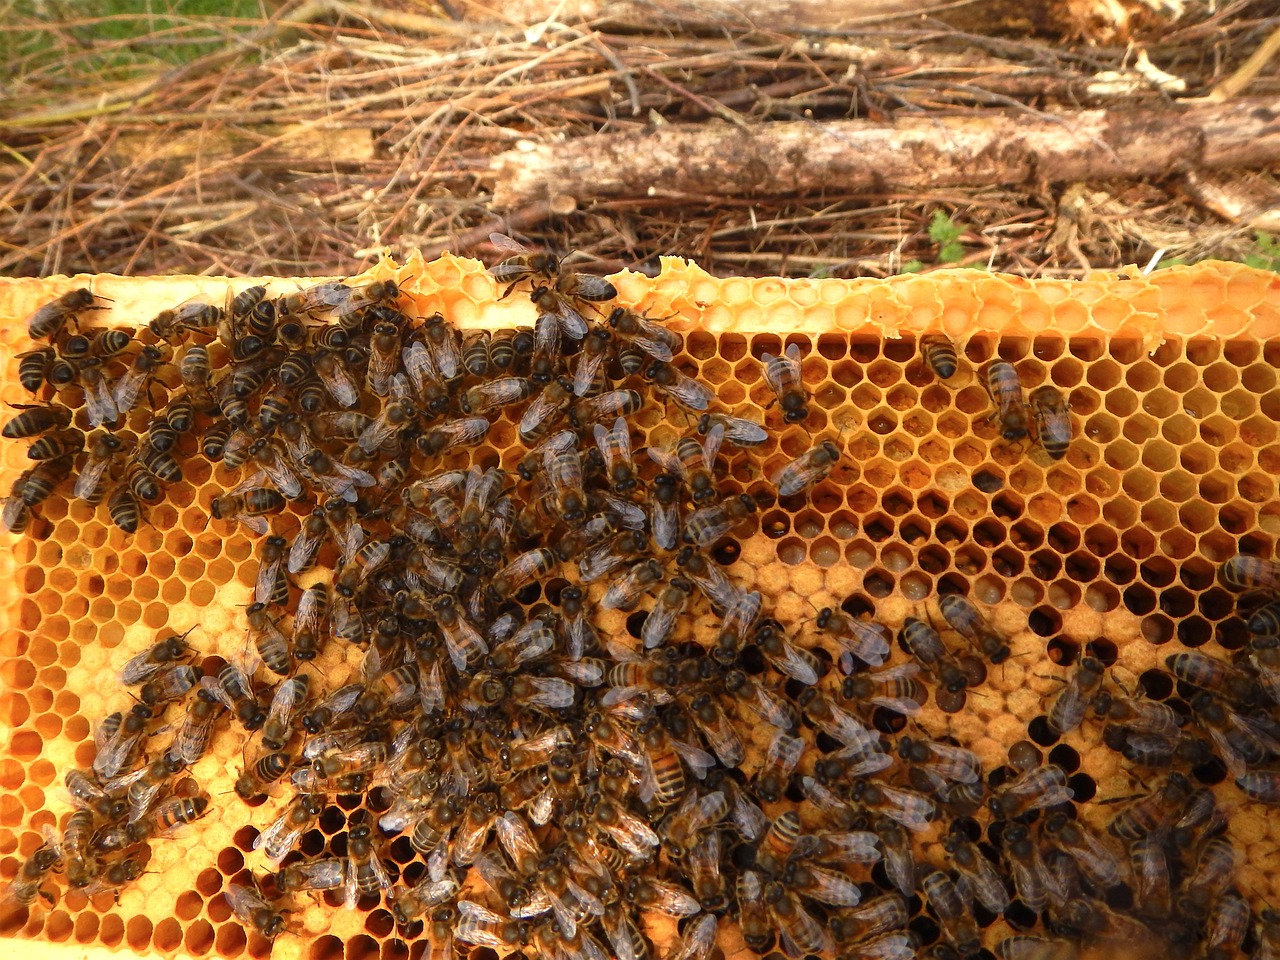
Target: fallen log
(908, 153)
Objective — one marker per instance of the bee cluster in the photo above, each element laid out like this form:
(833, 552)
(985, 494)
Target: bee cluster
(506, 775)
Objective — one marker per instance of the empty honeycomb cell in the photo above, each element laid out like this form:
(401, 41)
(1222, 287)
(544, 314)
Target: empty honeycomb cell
(1258, 431)
(1177, 543)
(1257, 487)
(1104, 375)
(1120, 514)
(1259, 378)
(1139, 484)
(1216, 486)
(1158, 514)
(1160, 403)
(1236, 405)
(199, 938)
(48, 726)
(167, 935)
(1178, 486)
(138, 933)
(230, 940)
(1181, 377)
(1202, 351)
(1102, 428)
(86, 927)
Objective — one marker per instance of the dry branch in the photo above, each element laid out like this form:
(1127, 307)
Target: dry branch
(801, 158)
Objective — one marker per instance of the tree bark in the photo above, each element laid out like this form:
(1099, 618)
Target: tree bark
(910, 153)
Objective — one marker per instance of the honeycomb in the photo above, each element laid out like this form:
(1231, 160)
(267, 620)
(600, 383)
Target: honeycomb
(1173, 385)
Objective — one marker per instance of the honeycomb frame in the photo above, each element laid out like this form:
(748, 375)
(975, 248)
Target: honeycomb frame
(1120, 539)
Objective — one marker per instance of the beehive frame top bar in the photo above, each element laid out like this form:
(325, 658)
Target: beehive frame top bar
(1209, 299)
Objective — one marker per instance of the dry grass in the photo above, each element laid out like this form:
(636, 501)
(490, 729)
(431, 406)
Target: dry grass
(302, 143)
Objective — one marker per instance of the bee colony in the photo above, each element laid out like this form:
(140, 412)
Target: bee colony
(517, 612)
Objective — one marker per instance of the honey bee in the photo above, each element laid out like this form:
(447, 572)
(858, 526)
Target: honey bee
(27, 883)
(1261, 785)
(672, 382)
(1227, 925)
(709, 578)
(247, 507)
(866, 641)
(32, 420)
(325, 874)
(366, 875)
(38, 367)
(795, 924)
(233, 690)
(957, 924)
(1240, 572)
(1006, 393)
(523, 264)
(895, 689)
(614, 403)
(124, 510)
(978, 879)
(49, 320)
(807, 469)
(782, 373)
(940, 354)
(1069, 708)
(36, 485)
(786, 657)
(253, 911)
(169, 684)
(59, 443)
(1052, 419)
(1038, 788)
(614, 445)
(460, 432)
(970, 623)
(494, 394)
(1209, 673)
(481, 926)
(563, 470)
(409, 904)
(119, 740)
(278, 728)
(281, 835)
(737, 430)
(271, 645)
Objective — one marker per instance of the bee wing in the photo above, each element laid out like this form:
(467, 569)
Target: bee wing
(650, 340)
(631, 516)
(697, 759)
(504, 243)
(665, 519)
(743, 432)
(659, 624)
(138, 668)
(910, 809)
(692, 393)
(546, 333)
(570, 321)
(99, 401)
(588, 366)
(553, 693)
(698, 939)
(517, 839)
(420, 366)
(667, 460)
(243, 901)
(128, 388)
(90, 478)
(711, 444)
(795, 666)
